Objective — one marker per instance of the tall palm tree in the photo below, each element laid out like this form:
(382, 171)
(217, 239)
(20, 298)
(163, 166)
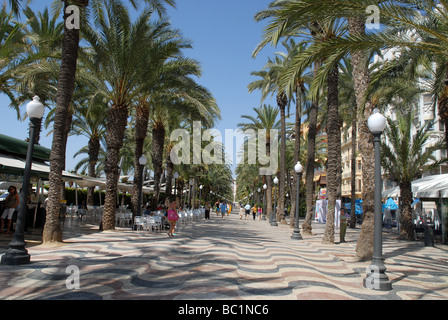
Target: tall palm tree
(187, 99)
(266, 119)
(43, 38)
(66, 81)
(349, 114)
(90, 122)
(405, 157)
(269, 84)
(307, 32)
(300, 92)
(120, 59)
(165, 80)
(300, 13)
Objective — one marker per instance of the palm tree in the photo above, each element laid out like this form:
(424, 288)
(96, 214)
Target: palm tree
(187, 99)
(349, 114)
(300, 93)
(266, 119)
(292, 14)
(121, 59)
(164, 82)
(82, 166)
(66, 81)
(90, 122)
(269, 84)
(12, 47)
(37, 72)
(406, 158)
(308, 32)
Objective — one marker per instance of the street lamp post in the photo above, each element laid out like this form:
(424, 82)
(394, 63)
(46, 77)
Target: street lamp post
(191, 196)
(376, 278)
(265, 187)
(273, 216)
(258, 201)
(17, 253)
(296, 233)
(200, 194)
(142, 161)
(176, 176)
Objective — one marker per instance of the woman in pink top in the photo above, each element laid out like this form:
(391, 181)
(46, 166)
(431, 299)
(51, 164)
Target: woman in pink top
(172, 218)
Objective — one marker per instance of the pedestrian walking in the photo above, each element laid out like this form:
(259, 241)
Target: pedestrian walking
(259, 213)
(254, 211)
(217, 204)
(172, 218)
(207, 210)
(247, 208)
(343, 225)
(242, 211)
(223, 208)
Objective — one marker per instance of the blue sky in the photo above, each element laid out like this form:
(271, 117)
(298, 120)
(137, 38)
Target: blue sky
(223, 33)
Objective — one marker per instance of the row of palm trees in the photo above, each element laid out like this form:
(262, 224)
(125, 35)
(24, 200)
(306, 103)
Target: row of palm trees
(123, 84)
(328, 65)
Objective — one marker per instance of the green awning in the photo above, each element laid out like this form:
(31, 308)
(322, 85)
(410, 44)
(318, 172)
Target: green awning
(19, 147)
(16, 165)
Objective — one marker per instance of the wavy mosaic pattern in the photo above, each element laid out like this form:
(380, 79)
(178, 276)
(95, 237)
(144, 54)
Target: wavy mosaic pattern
(221, 259)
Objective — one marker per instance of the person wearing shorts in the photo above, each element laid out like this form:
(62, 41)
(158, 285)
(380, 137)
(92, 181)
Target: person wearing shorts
(172, 216)
(247, 208)
(11, 202)
(223, 208)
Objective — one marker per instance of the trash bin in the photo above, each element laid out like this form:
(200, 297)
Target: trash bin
(429, 235)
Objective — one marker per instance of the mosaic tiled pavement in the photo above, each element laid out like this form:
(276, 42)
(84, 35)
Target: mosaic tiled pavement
(220, 259)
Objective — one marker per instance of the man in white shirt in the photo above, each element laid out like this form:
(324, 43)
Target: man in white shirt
(247, 208)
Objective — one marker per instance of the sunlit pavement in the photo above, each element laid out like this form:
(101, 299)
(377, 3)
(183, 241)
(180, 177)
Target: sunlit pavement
(218, 259)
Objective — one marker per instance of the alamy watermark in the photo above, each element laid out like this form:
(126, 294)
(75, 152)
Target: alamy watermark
(189, 147)
(72, 282)
(373, 20)
(73, 17)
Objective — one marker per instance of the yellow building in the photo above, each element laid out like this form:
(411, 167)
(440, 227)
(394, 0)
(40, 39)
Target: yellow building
(346, 158)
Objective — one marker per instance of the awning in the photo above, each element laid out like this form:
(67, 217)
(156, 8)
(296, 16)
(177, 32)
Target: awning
(15, 165)
(101, 182)
(10, 145)
(427, 187)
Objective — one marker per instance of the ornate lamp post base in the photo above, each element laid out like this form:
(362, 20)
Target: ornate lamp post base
(376, 278)
(296, 235)
(16, 253)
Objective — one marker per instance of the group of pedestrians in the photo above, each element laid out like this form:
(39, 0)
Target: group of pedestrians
(223, 208)
(247, 210)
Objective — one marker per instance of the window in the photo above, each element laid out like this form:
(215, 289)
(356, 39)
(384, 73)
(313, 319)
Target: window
(427, 99)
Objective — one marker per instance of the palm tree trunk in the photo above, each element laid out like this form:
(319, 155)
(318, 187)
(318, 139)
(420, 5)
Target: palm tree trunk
(407, 226)
(116, 126)
(66, 83)
(334, 153)
(158, 139)
(141, 129)
(94, 151)
(297, 133)
(361, 79)
(311, 150)
(281, 195)
(353, 170)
